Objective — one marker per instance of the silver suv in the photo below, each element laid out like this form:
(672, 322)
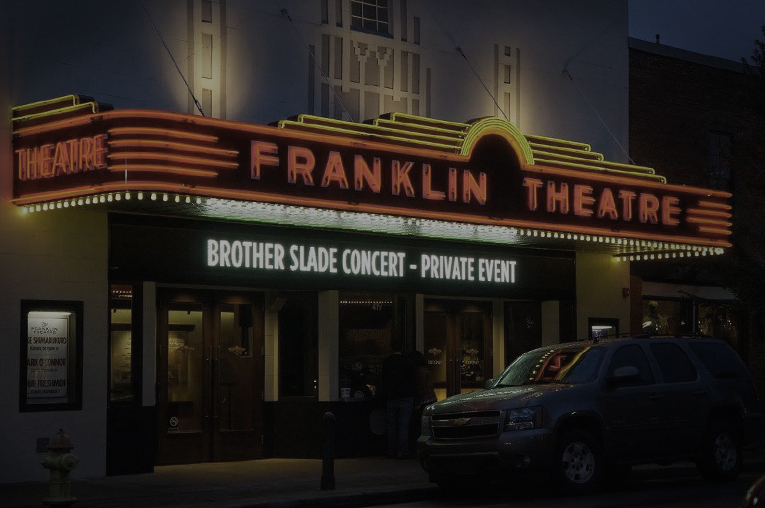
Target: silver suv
(580, 409)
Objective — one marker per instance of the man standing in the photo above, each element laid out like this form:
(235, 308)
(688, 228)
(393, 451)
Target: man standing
(398, 389)
(654, 322)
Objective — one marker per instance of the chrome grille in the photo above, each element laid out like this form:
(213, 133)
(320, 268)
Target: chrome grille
(466, 425)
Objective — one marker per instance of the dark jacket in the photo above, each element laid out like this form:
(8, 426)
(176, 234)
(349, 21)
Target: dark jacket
(397, 377)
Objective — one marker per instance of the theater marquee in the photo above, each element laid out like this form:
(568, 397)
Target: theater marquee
(69, 151)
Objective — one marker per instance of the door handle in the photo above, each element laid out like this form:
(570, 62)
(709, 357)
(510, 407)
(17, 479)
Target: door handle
(655, 396)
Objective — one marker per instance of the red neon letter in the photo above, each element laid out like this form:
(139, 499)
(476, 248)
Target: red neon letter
(87, 154)
(46, 158)
(607, 205)
(400, 178)
(472, 188)
(101, 150)
(26, 163)
(669, 210)
(452, 184)
(582, 200)
(532, 184)
(361, 174)
(262, 153)
(627, 198)
(554, 197)
(300, 161)
(427, 192)
(648, 206)
(61, 159)
(334, 171)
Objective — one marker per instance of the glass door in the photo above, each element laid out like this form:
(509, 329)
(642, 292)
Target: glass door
(237, 379)
(210, 377)
(457, 345)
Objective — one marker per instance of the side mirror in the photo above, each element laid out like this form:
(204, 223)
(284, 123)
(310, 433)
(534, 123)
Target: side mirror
(489, 384)
(625, 375)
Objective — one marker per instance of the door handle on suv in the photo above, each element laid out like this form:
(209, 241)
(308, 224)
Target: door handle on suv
(655, 396)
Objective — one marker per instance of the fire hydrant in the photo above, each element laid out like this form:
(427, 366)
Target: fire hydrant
(60, 463)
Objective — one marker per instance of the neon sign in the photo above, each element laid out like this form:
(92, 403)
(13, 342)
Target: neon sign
(62, 158)
(300, 165)
(627, 205)
(484, 172)
(357, 261)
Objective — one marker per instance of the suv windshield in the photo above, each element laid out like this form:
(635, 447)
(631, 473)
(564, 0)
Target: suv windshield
(569, 365)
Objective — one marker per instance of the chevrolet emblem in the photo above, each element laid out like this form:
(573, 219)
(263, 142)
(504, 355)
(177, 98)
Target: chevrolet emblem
(460, 422)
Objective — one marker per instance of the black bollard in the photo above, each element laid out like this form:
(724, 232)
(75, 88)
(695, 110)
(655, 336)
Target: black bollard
(328, 453)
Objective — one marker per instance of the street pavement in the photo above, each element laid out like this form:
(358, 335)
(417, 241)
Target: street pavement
(282, 483)
(278, 483)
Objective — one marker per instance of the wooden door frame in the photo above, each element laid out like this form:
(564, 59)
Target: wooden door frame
(211, 444)
(453, 309)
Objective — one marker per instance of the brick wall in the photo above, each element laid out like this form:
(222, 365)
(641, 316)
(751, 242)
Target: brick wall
(674, 103)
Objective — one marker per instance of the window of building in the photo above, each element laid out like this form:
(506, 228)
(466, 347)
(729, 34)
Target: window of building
(51, 356)
(719, 320)
(719, 159)
(667, 316)
(207, 55)
(124, 344)
(368, 323)
(370, 15)
(207, 11)
(402, 7)
(207, 101)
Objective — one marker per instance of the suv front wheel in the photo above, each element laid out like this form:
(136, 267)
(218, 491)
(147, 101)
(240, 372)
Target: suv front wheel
(578, 462)
(721, 452)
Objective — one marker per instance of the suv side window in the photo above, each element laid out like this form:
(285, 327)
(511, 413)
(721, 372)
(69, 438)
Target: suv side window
(674, 364)
(632, 356)
(720, 360)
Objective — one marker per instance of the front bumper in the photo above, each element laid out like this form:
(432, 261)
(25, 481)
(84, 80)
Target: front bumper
(508, 453)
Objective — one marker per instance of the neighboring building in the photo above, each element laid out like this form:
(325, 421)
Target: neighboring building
(179, 288)
(692, 118)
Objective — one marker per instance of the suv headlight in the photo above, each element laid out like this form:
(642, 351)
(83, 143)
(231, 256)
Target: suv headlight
(524, 418)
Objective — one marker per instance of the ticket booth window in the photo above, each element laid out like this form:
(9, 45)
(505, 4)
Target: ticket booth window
(367, 326)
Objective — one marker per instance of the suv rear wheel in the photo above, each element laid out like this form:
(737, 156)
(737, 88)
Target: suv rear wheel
(579, 462)
(721, 452)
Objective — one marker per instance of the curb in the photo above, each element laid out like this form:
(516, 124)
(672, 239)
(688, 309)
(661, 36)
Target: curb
(352, 499)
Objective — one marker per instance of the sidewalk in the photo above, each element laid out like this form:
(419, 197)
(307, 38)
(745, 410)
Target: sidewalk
(279, 483)
(282, 483)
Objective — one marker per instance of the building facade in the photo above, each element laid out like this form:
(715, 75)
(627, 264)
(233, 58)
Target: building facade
(217, 241)
(708, 106)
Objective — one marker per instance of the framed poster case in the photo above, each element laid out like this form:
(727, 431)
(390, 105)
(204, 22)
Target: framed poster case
(50, 356)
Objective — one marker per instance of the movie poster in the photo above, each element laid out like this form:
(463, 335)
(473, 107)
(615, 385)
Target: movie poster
(47, 355)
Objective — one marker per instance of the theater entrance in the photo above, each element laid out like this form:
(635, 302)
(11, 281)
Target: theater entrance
(210, 376)
(457, 343)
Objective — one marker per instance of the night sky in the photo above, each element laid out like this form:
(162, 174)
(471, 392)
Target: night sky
(722, 28)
